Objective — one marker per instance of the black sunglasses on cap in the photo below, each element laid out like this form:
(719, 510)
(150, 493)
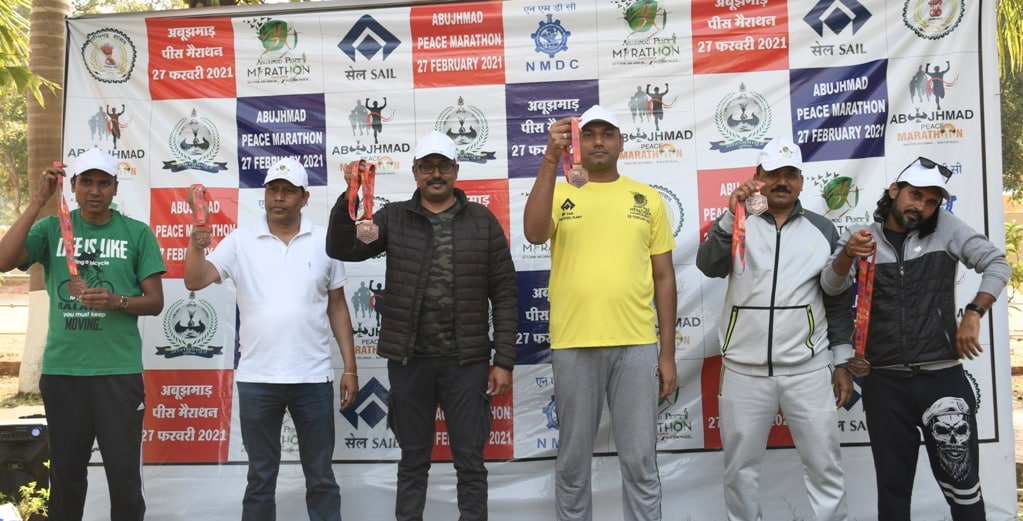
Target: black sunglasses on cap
(945, 171)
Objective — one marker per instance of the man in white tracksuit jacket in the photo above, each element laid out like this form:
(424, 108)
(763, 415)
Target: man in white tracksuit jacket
(781, 338)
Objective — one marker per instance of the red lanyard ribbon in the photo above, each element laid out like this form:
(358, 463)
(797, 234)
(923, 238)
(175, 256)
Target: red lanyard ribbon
(577, 151)
(864, 296)
(361, 185)
(739, 236)
(67, 232)
(201, 212)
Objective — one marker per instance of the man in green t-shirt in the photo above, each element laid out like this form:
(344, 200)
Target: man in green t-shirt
(92, 364)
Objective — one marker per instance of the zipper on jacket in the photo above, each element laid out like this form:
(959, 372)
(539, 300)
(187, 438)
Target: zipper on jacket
(899, 259)
(774, 289)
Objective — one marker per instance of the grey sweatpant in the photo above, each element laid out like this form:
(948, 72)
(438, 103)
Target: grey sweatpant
(627, 377)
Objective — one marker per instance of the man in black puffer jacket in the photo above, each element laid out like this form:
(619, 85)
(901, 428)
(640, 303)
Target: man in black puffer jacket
(448, 263)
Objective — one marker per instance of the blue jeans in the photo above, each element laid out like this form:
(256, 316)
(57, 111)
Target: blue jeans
(261, 410)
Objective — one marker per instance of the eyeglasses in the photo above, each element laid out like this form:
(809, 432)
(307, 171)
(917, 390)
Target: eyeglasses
(427, 168)
(945, 171)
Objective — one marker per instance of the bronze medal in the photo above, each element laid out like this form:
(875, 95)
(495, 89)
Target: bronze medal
(367, 232)
(756, 204)
(578, 176)
(201, 237)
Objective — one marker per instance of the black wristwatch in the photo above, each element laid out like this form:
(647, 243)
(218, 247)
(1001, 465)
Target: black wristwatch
(973, 307)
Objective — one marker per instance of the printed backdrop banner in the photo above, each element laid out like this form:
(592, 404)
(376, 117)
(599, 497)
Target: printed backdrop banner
(215, 96)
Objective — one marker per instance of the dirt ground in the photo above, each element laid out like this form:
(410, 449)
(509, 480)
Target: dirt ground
(13, 292)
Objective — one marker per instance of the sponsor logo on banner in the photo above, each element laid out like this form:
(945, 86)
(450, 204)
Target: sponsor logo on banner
(551, 38)
(550, 412)
(194, 142)
(933, 19)
(369, 39)
(841, 195)
(467, 126)
(367, 304)
(370, 405)
(189, 325)
(644, 44)
(109, 55)
(681, 338)
(930, 124)
(742, 118)
(107, 123)
(277, 63)
(647, 107)
(837, 15)
(673, 206)
(673, 424)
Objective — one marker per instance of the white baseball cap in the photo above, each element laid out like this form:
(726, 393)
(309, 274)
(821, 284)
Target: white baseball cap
(288, 169)
(598, 113)
(436, 143)
(780, 152)
(923, 173)
(95, 159)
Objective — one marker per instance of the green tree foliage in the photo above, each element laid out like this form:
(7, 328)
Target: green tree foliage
(15, 75)
(124, 6)
(1010, 68)
(1014, 254)
(13, 156)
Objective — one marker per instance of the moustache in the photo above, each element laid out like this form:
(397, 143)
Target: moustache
(781, 189)
(437, 181)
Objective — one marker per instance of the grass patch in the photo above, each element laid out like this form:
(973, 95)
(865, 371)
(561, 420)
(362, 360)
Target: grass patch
(21, 399)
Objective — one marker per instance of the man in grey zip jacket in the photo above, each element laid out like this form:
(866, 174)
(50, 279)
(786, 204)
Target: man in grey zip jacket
(913, 379)
(780, 337)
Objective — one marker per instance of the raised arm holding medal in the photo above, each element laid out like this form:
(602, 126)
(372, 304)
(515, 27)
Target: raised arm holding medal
(781, 336)
(291, 302)
(611, 247)
(448, 263)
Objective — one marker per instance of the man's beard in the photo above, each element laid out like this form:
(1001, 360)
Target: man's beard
(908, 222)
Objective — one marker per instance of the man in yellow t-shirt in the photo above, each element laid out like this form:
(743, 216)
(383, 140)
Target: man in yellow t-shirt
(610, 259)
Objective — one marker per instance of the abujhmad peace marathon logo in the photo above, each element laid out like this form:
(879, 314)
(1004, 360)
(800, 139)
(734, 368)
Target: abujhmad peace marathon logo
(644, 44)
(189, 326)
(467, 126)
(109, 55)
(276, 63)
(933, 19)
(550, 37)
(841, 194)
(743, 119)
(194, 141)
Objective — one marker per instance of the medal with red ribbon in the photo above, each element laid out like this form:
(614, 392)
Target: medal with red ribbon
(200, 215)
(864, 296)
(75, 286)
(739, 237)
(576, 175)
(360, 186)
(756, 204)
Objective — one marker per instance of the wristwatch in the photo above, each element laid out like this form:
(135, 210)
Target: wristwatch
(973, 307)
(124, 302)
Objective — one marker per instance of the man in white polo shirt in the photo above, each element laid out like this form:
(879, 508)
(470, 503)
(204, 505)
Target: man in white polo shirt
(291, 301)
